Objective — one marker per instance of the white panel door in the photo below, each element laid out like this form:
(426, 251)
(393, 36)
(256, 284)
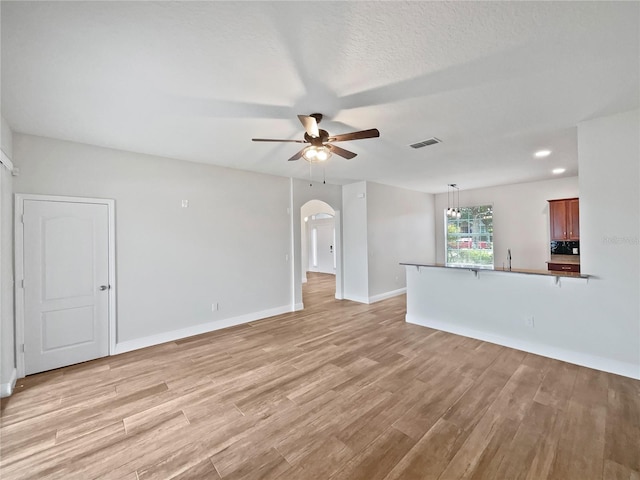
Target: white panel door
(66, 283)
(325, 248)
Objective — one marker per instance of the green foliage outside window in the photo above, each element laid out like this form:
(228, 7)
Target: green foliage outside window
(470, 237)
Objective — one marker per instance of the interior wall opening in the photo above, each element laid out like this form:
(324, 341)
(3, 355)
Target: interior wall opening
(319, 243)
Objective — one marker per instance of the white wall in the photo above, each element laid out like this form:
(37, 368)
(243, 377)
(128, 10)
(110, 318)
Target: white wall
(520, 219)
(7, 340)
(400, 228)
(354, 236)
(7, 137)
(383, 226)
(229, 246)
(609, 154)
(303, 193)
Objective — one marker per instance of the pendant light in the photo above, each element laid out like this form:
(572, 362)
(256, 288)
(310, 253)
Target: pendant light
(452, 210)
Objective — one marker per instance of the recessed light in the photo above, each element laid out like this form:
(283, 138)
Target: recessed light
(557, 171)
(542, 153)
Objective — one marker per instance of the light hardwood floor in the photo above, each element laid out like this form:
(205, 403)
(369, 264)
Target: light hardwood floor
(337, 391)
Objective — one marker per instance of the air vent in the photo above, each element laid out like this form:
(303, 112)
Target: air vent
(426, 143)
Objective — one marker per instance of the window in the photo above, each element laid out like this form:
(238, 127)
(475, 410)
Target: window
(469, 239)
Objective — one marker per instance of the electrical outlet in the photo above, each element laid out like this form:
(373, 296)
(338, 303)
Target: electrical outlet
(528, 321)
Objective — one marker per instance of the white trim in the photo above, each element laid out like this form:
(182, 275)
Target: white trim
(298, 306)
(6, 389)
(356, 298)
(375, 298)
(199, 329)
(384, 296)
(577, 358)
(337, 225)
(6, 161)
(292, 248)
(19, 266)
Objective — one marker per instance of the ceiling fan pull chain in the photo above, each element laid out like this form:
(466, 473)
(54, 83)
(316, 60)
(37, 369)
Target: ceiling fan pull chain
(310, 184)
(324, 175)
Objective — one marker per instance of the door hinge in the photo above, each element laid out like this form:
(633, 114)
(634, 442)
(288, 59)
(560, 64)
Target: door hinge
(22, 348)
(22, 283)
(22, 218)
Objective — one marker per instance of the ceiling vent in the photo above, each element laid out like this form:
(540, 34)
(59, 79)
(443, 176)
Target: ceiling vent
(426, 143)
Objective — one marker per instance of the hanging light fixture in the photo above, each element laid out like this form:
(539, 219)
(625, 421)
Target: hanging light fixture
(452, 210)
(316, 154)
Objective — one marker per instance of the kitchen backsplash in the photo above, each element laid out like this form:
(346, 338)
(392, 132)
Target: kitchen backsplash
(565, 248)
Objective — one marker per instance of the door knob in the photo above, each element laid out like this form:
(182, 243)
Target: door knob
(103, 287)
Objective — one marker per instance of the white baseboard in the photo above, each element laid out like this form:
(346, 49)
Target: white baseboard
(137, 343)
(376, 298)
(6, 389)
(356, 298)
(585, 360)
(384, 296)
(298, 306)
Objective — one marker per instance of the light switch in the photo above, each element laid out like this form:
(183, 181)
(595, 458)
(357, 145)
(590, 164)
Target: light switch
(185, 203)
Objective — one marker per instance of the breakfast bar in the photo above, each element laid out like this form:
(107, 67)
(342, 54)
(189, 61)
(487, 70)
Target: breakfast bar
(476, 269)
(538, 311)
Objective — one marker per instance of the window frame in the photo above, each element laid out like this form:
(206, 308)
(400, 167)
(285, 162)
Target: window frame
(477, 247)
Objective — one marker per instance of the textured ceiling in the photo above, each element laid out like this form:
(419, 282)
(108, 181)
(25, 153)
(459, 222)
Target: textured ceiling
(495, 81)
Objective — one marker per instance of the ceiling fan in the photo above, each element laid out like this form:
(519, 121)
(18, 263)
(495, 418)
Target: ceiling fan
(321, 144)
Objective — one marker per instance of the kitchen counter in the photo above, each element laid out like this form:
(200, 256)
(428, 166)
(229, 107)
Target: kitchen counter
(478, 268)
(535, 311)
(565, 259)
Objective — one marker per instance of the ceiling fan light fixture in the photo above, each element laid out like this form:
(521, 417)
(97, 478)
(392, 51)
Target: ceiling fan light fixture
(315, 154)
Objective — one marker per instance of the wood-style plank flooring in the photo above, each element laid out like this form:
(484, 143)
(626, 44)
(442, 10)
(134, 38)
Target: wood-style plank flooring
(338, 391)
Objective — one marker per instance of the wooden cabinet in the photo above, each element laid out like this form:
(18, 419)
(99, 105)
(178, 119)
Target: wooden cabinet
(564, 216)
(564, 267)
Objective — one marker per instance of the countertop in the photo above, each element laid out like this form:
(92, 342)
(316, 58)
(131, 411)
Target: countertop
(565, 259)
(479, 268)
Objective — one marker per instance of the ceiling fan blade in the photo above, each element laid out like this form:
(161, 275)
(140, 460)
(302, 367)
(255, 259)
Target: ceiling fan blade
(310, 125)
(275, 140)
(371, 133)
(342, 152)
(297, 156)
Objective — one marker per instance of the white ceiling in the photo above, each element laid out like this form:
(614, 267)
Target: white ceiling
(495, 81)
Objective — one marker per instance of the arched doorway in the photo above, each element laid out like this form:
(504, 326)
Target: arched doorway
(320, 242)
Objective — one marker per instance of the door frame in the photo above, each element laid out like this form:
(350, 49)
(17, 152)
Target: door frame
(19, 266)
(328, 222)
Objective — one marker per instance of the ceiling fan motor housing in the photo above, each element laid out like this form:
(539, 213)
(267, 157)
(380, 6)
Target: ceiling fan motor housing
(317, 116)
(317, 141)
